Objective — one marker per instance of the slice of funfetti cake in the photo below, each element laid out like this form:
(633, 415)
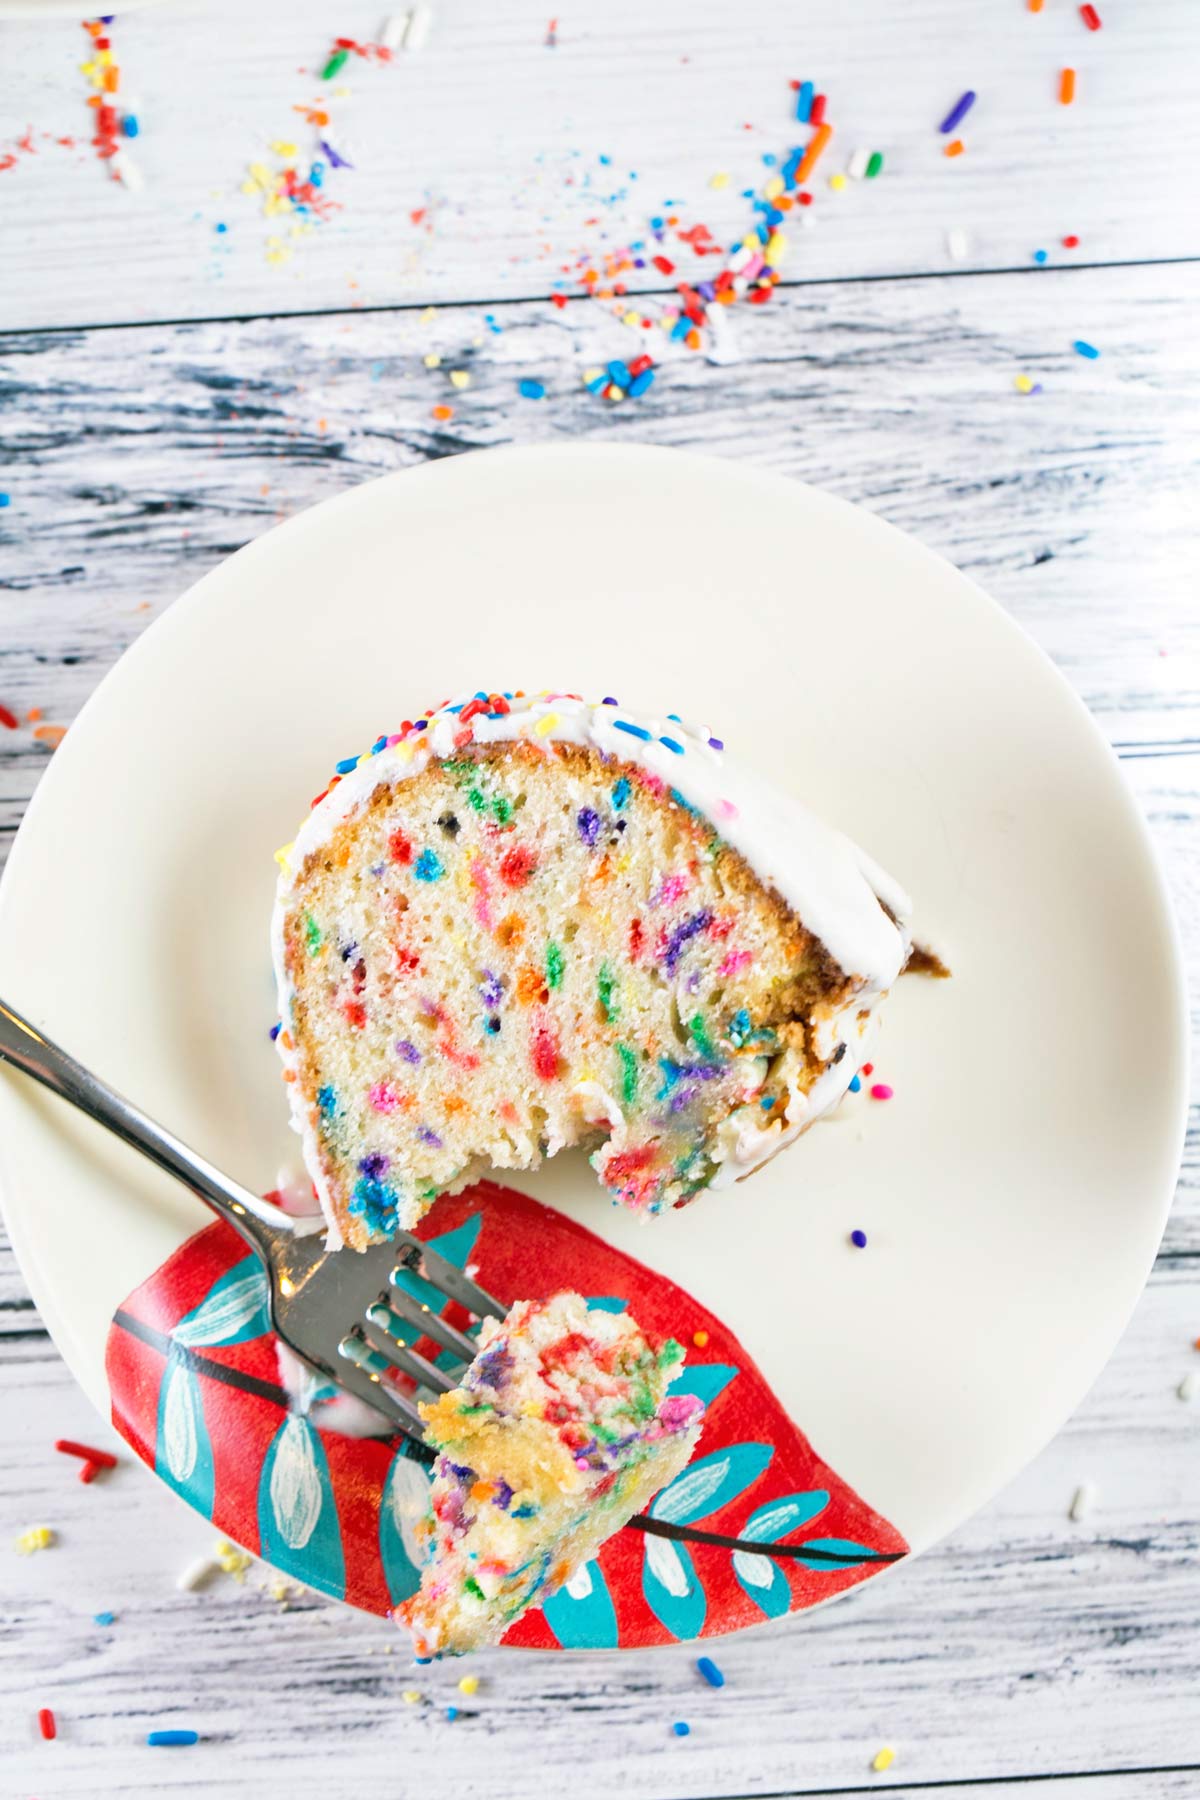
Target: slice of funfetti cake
(522, 923)
(561, 1430)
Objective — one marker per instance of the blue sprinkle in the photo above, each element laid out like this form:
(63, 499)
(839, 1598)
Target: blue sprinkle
(327, 1101)
(104, 1618)
(681, 326)
(597, 384)
(672, 745)
(378, 745)
(531, 390)
(681, 1728)
(804, 100)
(422, 1660)
(452, 1713)
(675, 717)
(859, 1239)
(619, 372)
(770, 158)
(129, 125)
(637, 731)
(428, 866)
(5, 499)
(767, 1102)
(164, 1739)
(855, 1084)
(346, 765)
(640, 383)
(609, 701)
(958, 112)
(275, 1030)
(493, 324)
(1041, 256)
(221, 227)
(606, 160)
(1085, 349)
(710, 1672)
(620, 793)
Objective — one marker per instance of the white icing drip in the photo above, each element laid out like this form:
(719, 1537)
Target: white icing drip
(837, 891)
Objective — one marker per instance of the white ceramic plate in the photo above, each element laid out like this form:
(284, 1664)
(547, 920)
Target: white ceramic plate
(1015, 1189)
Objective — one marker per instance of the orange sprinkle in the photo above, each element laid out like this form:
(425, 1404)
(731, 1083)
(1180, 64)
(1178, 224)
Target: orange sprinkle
(955, 147)
(289, 1074)
(1035, 5)
(692, 340)
(35, 712)
(50, 734)
(699, 1338)
(1066, 86)
(481, 1490)
(816, 146)
(112, 80)
(443, 412)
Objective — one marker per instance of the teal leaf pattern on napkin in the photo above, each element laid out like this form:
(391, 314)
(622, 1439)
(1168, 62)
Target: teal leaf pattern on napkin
(581, 1614)
(234, 1310)
(405, 1501)
(183, 1453)
(761, 1576)
(297, 1520)
(673, 1591)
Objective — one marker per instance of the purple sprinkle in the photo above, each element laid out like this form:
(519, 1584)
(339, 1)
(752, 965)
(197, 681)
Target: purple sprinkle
(679, 937)
(859, 1239)
(589, 825)
(429, 1137)
(348, 952)
(408, 1051)
(276, 1029)
(503, 1496)
(706, 290)
(421, 725)
(716, 743)
(335, 161)
(490, 988)
(609, 701)
(375, 1165)
(958, 111)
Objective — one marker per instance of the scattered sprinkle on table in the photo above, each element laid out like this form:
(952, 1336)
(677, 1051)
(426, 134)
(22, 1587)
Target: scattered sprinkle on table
(881, 1091)
(452, 1713)
(469, 1684)
(1083, 348)
(442, 412)
(9, 719)
(104, 1618)
(196, 1574)
(1084, 1500)
(883, 1759)
(875, 165)
(1066, 86)
(681, 1728)
(411, 1696)
(1071, 243)
(1091, 18)
(5, 499)
(1023, 384)
(954, 148)
(38, 1537)
(531, 390)
(1041, 256)
(958, 244)
(710, 1672)
(957, 113)
(170, 1740)
(93, 1459)
(47, 1723)
(858, 1239)
(1189, 1386)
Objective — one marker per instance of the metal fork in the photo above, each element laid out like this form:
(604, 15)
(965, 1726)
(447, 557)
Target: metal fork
(349, 1316)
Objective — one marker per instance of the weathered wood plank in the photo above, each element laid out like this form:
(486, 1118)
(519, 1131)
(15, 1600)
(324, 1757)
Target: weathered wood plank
(1027, 1644)
(666, 93)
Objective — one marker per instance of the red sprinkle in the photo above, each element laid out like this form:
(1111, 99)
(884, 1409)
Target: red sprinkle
(868, 1069)
(816, 115)
(1071, 243)
(881, 1091)
(517, 866)
(1090, 17)
(47, 1724)
(102, 1458)
(663, 264)
(9, 719)
(545, 1055)
(90, 1470)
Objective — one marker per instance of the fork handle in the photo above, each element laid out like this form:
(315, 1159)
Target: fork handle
(26, 1048)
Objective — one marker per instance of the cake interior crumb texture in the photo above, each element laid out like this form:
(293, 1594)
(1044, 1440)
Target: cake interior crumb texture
(519, 949)
(561, 1430)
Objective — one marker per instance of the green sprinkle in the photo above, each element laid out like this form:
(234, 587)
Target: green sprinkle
(670, 1353)
(606, 982)
(701, 1039)
(554, 966)
(629, 1073)
(471, 1586)
(502, 809)
(475, 799)
(337, 61)
(875, 164)
(312, 934)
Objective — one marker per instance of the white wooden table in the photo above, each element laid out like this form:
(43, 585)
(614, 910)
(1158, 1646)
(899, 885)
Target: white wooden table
(168, 392)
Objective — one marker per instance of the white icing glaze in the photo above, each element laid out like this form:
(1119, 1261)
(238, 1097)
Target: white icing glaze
(838, 892)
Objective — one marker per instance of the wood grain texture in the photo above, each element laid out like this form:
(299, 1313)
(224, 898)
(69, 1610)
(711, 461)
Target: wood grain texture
(1027, 1643)
(499, 139)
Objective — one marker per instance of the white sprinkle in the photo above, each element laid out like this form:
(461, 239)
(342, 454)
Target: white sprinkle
(856, 168)
(196, 1574)
(809, 219)
(1189, 1386)
(420, 20)
(958, 244)
(391, 33)
(126, 170)
(1085, 1499)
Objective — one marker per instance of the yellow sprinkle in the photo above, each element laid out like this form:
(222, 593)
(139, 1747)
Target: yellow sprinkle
(719, 180)
(459, 378)
(261, 173)
(546, 725)
(38, 1537)
(837, 183)
(615, 393)
(249, 187)
(404, 752)
(411, 1697)
(432, 360)
(884, 1760)
(592, 374)
(469, 1684)
(430, 312)
(282, 148)
(773, 188)
(631, 318)
(104, 58)
(282, 854)
(776, 248)
(1023, 384)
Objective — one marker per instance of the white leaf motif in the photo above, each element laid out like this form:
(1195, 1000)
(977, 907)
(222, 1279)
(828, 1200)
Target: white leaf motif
(771, 1524)
(295, 1484)
(666, 1567)
(180, 1436)
(408, 1495)
(685, 1497)
(756, 1571)
(223, 1315)
(580, 1584)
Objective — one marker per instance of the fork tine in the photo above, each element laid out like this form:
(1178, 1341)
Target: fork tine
(364, 1378)
(426, 1322)
(393, 1344)
(443, 1274)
